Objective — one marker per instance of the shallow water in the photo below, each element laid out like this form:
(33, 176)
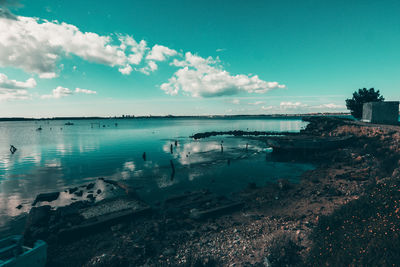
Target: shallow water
(60, 156)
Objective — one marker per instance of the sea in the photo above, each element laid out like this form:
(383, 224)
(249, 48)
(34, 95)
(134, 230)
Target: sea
(54, 156)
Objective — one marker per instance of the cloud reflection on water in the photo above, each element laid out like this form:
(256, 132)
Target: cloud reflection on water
(52, 160)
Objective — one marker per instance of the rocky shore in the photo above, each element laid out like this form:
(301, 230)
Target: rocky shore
(340, 214)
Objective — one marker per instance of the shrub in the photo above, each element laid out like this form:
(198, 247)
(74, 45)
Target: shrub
(355, 104)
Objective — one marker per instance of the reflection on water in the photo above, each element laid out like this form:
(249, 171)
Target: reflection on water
(61, 156)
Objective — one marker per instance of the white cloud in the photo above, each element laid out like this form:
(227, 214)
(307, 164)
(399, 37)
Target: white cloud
(157, 53)
(62, 91)
(138, 49)
(13, 84)
(151, 66)
(58, 93)
(160, 53)
(256, 103)
(126, 70)
(36, 45)
(200, 77)
(13, 89)
(329, 106)
(292, 105)
(267, 108)
(85, 91)
(235, 101)
(8, 94)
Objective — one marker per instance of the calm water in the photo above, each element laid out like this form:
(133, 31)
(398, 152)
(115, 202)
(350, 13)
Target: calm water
(61, 156)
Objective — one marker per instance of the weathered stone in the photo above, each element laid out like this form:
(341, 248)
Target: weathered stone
(39, 216)
(90, 186)
(46, 197)
(396, 173)
(72, 190)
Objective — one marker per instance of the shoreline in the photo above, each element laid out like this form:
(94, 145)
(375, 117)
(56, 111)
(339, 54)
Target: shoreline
(274, 218)
(269, 116)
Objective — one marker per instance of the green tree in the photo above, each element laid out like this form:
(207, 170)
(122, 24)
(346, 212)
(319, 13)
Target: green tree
(355, 104)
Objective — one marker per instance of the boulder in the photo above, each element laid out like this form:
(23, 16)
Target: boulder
(72, 190)
(46, 197)
(39, 215)
(90, 186)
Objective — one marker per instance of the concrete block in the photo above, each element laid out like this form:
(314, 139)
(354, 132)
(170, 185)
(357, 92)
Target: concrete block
(381, 112)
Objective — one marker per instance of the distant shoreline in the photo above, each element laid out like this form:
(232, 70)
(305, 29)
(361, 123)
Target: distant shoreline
(178, 117)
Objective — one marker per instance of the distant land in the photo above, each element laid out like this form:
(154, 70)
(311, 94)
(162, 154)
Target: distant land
(173, 116)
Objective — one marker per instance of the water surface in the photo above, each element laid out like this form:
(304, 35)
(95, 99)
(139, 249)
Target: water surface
(60, 156)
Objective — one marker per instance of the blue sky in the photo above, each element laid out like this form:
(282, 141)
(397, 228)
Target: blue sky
(91, 58)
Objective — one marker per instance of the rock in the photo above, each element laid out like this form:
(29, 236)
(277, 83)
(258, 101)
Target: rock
(266, 262)
(169, 252)
(69, 213)
(79, 193)
(39, 216)
(283, 184)
(46, 197)
(194, 214)
(19, 206)
(396, 173)
(90, 186)
(358, 159)
(213, 227)
(116, 228)
(72, 190)
(331, 191)
(108, 260)
(91, 197)
(98, 191)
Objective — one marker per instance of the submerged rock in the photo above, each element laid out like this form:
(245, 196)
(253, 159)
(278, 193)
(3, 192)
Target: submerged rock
(46, 197)
(90, 186)
(72, 190)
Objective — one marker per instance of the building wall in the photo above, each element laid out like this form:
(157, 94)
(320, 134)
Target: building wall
(381, 112)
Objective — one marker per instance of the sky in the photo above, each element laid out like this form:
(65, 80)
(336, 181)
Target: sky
(125, 57)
